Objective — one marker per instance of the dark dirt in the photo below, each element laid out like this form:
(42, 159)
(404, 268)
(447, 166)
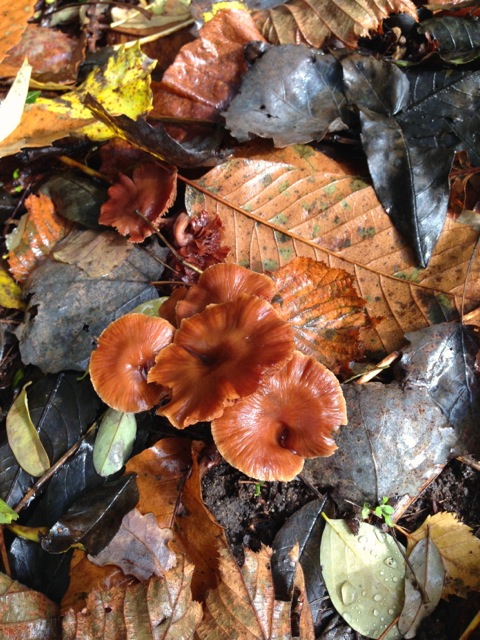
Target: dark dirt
(252, 513)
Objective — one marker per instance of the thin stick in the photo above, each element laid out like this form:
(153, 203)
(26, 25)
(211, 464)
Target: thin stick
(381, 366)
(5, 561)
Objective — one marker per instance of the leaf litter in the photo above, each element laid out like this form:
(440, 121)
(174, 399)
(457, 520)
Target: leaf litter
(350, 285)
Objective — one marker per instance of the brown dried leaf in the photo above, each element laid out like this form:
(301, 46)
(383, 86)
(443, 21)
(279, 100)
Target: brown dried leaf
(162, 609)
(324, 310)
(300, 203)
(14, 18)
(311, 22)
(244, 606)
(41, 230)
(459, 549)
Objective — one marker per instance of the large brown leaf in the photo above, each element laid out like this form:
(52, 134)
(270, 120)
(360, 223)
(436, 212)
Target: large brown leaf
(313, 21)
(297, 202)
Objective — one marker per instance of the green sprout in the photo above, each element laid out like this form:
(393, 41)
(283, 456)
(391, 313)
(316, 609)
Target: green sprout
(258, 489)
(383, 510)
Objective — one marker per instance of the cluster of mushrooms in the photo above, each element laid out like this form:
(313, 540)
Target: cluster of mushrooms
(230, 359)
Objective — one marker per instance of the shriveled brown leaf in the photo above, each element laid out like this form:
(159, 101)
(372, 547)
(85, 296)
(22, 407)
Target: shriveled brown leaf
(162, 609)
(244, 606)
(312, 22)
(459, 549)
(324, 310)
(25, 613)
(301, 203)
(14, 18)
(42, 229)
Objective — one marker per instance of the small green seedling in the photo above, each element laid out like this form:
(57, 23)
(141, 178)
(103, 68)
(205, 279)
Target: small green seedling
(258, 489)
(383, 510)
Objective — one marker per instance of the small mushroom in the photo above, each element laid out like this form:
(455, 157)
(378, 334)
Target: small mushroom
(291, 416)
(221, 283)
(220, 355)
(119, 365)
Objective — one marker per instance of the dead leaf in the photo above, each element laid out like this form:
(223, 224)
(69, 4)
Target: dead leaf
(159, 18)
(301, 203)
(38, 232)
(140, 547)
(324, 310)
(244, 606)
(459, 549)
(14, 18)
(299, 21)
(163, 608)
(10, 292)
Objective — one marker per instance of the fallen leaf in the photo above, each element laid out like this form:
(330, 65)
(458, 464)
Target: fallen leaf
(10, 292)
(159, 18)
(34, 238)
(365, 576)
(7, 514)
(24, 439)
(11, 107)
(14, 17)
(163, 608)
(114, 441)
(314, 21)
(140, 547)
(459, 549)
(301, 203)
(25, 613)
(457, 38)
(428, 572)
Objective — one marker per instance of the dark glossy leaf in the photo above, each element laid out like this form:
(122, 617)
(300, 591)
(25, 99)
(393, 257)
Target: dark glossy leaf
(94, 518)
(68, 310)
(292, 94)
(458, 38)
(441, 359)
(61, 408)
(76, 197)
(304, 528)
(156, 140)
(410, 151)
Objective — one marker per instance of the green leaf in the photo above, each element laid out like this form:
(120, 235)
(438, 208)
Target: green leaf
(7, 514)
(365, 577)
(114, 441)
(24, 439)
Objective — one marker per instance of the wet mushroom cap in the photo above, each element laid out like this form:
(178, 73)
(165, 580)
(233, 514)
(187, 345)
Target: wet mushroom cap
(119, 365)
(220, 355)
(291, 416)
(222, 283)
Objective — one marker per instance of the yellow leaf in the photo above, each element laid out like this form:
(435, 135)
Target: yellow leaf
(220, 6)
(12, 106)
(459, 549)
(10, 292)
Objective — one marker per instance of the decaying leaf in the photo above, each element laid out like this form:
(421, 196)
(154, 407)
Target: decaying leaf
(159, 18)
(10, 292)
(39, 230)
(313, 22)
(140, 547)
(428, 573)
(11, 107)
(24, 439)
(244, 606)
(458, 548)
(364, 575)
(114, 441)
(16, 16)
(25, 613)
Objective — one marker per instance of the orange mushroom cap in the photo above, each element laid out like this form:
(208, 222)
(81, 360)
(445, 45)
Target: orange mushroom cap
(222, 283)
(126, 350)
(219, 355)
(290, 417)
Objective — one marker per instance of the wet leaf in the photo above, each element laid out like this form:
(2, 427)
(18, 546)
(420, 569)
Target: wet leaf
(297, 202)
(11, 107)
(140, 547)
(39, 230)
(458, 38)
(69, 310)
(243, 605)
(163, 608)
(114, 441)
(364, 575)
(159, 18)
(291, 94)
(24, 439)
(7, 514)
(458, 548)
(15, 16)
(10, 292)
(298, 21)
(428, 571)
(324, 310)
(25, 613)
(94, 518)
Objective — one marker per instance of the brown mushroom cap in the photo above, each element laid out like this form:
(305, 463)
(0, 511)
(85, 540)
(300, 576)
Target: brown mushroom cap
(290, 417)
(126, 350)
(222, 283)
(219, 355)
